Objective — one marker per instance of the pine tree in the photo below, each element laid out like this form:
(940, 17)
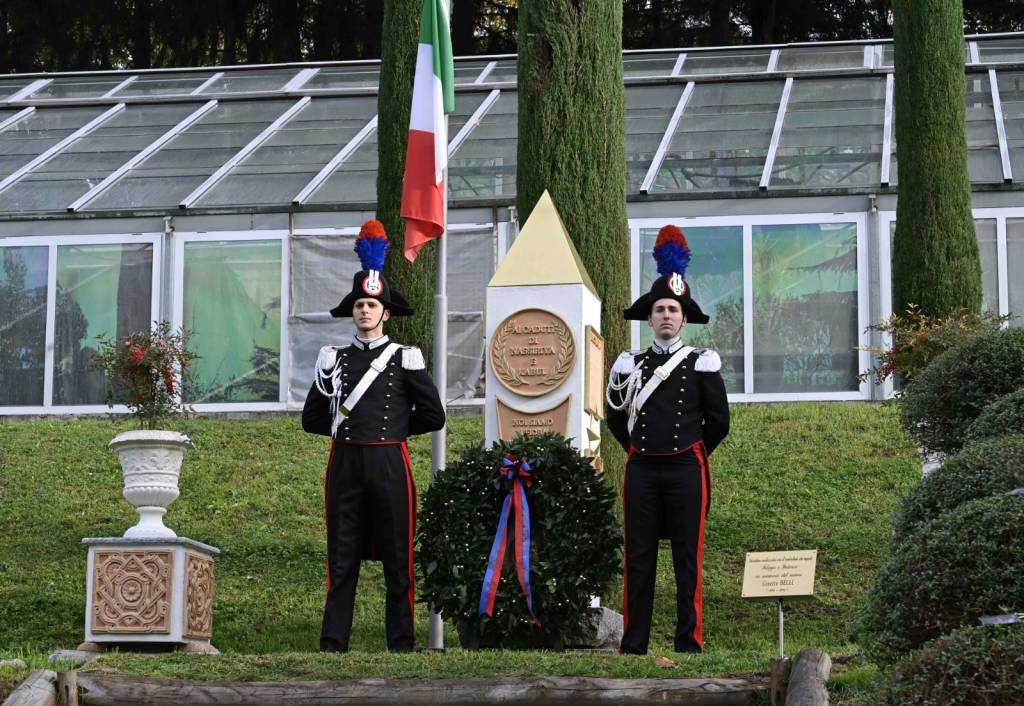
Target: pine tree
(413, 279)
(572, 133)
(935, 255)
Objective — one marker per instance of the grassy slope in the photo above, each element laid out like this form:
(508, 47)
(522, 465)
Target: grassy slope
(793, 476)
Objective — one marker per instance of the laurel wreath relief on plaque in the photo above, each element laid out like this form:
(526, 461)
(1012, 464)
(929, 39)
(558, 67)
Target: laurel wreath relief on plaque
(532, 352)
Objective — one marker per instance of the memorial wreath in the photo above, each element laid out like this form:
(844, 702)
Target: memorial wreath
(537, 502)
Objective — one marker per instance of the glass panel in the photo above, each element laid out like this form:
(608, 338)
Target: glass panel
(245, 81)
(233, 307)
(355, 180)
(985, 231)
(722, 139)
(1008, 50)
(637, 65)
(805, 308)
(505, 71)
(355, 76)
(466, 72)
(9, 88)
(23, 273)
(1015, 264)
(1011, 95)
(471, 258)
(171, 173)
(716, 277)
(740, 61)
(983, 160)
(849, 56)
(832, 134)
(485, 165)
(164, 84)
(84, 163)
(282, 166)
(648, 111)
(101, 289)
(35, 133)
(78, 87)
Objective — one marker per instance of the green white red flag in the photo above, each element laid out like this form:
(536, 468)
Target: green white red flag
(426, 156)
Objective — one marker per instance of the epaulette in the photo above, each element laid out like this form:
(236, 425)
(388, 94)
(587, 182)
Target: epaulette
(326, 358)
(708, 361)
(412, 359)
(626, 362)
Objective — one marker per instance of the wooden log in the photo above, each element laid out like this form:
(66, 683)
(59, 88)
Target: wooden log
(115, 690)
(807, 678)
(39, 689)
(67, 688)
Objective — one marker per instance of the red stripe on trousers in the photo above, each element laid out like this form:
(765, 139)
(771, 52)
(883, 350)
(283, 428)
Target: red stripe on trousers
(625, 551)
(698, 595)
(410, 487)
(327, 485)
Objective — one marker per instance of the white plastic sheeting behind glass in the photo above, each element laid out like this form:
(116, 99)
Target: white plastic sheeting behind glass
(1015, 263)
(322, 270)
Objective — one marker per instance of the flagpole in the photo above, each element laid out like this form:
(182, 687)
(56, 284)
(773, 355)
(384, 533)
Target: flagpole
(439, 439)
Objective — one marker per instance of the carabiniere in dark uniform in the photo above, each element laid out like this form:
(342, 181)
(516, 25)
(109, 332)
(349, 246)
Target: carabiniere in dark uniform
(669, 410)
(369, 493)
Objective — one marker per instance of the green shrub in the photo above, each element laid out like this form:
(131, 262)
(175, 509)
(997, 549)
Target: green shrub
(569, 502)
(961, 565)
(1004, 416)
(968, 667)
(980, 470)
(939, 405)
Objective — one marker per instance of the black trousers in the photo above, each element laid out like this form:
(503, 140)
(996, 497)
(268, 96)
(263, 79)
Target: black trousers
(665, 496)
(370, 498)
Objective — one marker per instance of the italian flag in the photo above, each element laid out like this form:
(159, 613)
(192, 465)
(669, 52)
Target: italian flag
(426, 156)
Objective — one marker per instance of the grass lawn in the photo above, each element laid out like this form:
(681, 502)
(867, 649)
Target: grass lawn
(794, 476)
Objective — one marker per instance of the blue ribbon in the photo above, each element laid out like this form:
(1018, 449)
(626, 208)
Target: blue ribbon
(519, 472)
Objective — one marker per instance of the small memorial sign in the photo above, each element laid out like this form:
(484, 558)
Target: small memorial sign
(779, 574)
(532, 352)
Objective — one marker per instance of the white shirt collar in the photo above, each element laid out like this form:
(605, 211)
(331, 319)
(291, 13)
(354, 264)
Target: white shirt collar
(668, 347)
(370, 345)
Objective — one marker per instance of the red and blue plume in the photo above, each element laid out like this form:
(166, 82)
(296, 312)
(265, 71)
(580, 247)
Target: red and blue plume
(671, 251)
(372, 246)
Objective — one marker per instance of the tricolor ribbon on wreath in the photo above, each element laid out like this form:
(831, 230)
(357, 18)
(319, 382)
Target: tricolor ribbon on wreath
(515, 504)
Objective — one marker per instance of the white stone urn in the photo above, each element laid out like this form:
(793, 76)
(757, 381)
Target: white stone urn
(151, 464)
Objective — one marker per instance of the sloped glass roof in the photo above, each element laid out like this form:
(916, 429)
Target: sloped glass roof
(782, 119)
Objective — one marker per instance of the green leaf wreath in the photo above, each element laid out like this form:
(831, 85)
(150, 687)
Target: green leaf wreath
(575, 549)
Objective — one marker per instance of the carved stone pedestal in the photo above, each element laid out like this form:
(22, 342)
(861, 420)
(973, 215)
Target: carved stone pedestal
(150, 592)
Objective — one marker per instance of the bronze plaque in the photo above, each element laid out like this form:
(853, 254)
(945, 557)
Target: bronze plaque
(593, 379)
(532, 352)
(512, 421)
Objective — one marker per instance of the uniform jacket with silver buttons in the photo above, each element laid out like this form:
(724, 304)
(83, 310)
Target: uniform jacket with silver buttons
(401, 402)
(689, 406)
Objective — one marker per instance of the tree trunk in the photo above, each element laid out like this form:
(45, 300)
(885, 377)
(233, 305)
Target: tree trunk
(572, 131)
(413, 279)
(935, 261)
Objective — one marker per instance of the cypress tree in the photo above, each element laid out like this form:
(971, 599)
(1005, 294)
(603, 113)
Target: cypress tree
(935, 255)
(415, 280)
(572, 134)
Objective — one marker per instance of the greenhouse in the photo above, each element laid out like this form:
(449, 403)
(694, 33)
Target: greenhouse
(226, 200)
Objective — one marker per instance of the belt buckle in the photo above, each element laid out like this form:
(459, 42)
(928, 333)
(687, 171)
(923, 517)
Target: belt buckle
(378, 365)
(662, 373)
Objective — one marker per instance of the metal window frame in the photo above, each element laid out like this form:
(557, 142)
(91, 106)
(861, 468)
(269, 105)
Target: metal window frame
(666, 139)
(21, 114)
(181, 238)
(52, 243)
(773, 146)
(473, 122)
(858, 218)
(254, 144)
(869, 56)
(128, 81)
(773, 62)
(328, 169)
(890, 82)
(198, 90)
(60, 146)
(485, 72)
(141, 156)
(28, 90)
(299, 80)
(972, 49)
(677, 70)
(997, 114)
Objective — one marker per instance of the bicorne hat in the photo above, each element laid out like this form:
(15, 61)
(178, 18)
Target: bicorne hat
(372, 248)
(672, 253)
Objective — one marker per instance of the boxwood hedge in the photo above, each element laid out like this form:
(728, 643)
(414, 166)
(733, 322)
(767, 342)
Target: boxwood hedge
(1004, 416)
(980, 470)
(961, 565)
(941, 403)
